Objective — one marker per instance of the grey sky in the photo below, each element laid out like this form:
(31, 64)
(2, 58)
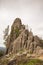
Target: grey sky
(30, 12)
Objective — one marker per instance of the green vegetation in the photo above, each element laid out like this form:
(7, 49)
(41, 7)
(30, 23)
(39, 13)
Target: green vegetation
(32, 62)
(1, 53)
(17, 32)
(23, 62)
(5, 36)
(4, 61)
(21, 51)
(14, 33)
(30, 52)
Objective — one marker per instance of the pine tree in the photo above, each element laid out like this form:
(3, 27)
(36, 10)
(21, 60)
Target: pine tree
(6, 32)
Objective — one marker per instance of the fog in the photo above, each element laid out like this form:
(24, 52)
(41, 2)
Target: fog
(30, 12)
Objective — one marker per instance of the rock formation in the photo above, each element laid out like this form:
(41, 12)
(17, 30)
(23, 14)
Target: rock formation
(21, 38)
(22, 46)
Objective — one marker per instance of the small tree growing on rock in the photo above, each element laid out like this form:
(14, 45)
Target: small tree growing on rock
(14, 33)
(6, 31)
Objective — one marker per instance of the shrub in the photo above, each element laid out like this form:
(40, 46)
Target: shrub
(14, 33)
(32, 62)
(17, 32)
(1, 53)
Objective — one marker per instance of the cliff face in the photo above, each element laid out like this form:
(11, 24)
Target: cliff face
(21, 38)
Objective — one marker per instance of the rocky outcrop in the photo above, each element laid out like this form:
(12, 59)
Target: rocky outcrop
(21, 38)
(16, 29)
(22, 45)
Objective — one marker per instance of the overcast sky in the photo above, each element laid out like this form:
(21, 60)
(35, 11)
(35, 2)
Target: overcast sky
(30, 12)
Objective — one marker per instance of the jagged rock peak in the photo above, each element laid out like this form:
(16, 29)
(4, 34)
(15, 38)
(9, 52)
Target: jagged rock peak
(17, 23)
(22, 38)
(17, 20)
